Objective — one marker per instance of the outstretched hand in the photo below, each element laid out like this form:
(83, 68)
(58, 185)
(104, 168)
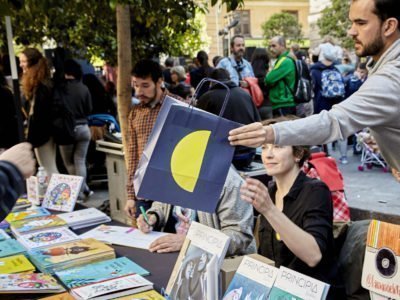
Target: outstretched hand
(252, 135)
(254, 192)
(21, 156)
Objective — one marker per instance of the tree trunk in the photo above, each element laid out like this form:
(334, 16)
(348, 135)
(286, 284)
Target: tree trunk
(124, 90)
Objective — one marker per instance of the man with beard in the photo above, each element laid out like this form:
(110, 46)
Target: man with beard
(280, 81)
(375, 30)
(237, 66)
(147, 80)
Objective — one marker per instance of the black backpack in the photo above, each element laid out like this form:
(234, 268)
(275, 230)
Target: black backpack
(64, 122)
(303, 88)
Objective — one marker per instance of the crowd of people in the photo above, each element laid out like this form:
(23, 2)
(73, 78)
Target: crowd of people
(296, 228)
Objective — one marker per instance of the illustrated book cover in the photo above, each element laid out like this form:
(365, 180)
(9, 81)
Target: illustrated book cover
(100, 271)
(47, 237)
(29, 283)
(15, 264)
(10, 247)
(32, 189)
(252, 280)
(293, 285)
(36, 224)
(62, 192)
(203, 246)
(22, 203)
(29, 213)
(381, 273)
(112, 288)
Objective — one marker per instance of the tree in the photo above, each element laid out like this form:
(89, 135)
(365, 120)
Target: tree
(283, 24)
(334, 21)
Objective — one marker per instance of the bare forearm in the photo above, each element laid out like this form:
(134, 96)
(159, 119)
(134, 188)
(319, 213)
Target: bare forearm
(301, 243)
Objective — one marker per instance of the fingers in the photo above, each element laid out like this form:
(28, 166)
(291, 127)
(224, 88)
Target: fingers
(168, 243)
(252, 135)
(143, 226)
(130, 208)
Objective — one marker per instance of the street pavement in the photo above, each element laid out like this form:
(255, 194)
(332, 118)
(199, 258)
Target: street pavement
(371, 190)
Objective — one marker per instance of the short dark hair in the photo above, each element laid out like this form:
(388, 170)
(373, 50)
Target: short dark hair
(220, 74)
(235, 37)
(216, 59)
(147, 67)
(386, 9)
(169, 62)
(301, 152)
(73, 68)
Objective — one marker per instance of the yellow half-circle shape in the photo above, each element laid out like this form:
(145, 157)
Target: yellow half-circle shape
(187, 159)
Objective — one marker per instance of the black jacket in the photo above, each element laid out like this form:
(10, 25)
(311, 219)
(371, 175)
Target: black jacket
(8, 119)
(12, 185)
(78, 99)
(240, 107)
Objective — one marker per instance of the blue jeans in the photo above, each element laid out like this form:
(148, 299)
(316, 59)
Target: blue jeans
(74, 155)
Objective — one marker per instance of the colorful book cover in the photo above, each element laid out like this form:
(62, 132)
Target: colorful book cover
(35, 224)
(82, 215)
(100, 271)
(47, 237)
(292, 285)
(252, 280)
(15, 264)
(69, 251)
(62, 192)
(29, 283)
(3, 235)
(381, 273)
(128, 284)
(10, 247)
(189, 276)
(26, 214)
(148, 295)
(32, 189)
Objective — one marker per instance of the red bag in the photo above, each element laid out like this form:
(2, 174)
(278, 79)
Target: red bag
(254, 90)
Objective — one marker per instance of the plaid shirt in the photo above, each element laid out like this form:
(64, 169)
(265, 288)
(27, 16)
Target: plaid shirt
(141, 120)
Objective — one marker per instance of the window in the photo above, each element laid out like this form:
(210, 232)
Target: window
(243, 28)
(294, 13)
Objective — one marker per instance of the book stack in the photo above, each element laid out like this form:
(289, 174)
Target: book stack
(100, 271)
(148, 295)
(84, 218)
(36, 224)
(15, 264)
(28, 283)
(10, 247)
(48, 237)
(69, 255)
(21, 204)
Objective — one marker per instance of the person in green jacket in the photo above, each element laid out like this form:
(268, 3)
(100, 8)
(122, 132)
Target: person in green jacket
(280, 81)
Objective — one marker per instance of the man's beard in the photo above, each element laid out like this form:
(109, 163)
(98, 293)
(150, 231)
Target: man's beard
(372, 48)
(238, 54)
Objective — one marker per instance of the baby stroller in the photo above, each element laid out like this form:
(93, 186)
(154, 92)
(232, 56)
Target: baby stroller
(102, 126)
(370, 154)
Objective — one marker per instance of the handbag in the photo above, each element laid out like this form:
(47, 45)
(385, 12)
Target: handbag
(187, 157)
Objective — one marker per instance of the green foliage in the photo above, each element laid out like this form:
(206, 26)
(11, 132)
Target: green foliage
(283, 24)
(88, 27)
(335, 22)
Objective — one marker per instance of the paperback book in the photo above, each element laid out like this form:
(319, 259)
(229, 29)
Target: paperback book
(62, 192)
(15, 264)
(112, 288)
(100, 271)
(148, 295)
(4, 225)
(84, 218)
(380, 273)
(252, 280)
(36, 224)
(28, 283)
(69, 255)
(22, 203)
(48, 237)
(32, 189)
(10, 247)
(293, 285)
(26, 214)
(204, 249)
(123, 235)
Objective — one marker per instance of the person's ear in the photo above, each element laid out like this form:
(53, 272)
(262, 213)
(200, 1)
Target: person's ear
(390, 26)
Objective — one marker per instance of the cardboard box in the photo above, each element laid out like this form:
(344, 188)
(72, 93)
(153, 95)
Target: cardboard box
(231, 264)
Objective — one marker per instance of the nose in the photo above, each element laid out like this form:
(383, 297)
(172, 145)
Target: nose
(351, 31)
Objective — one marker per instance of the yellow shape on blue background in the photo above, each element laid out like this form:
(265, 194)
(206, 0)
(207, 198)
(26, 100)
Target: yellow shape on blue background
(187, 159)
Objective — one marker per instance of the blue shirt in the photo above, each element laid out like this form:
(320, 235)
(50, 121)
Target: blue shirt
(244, 68)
